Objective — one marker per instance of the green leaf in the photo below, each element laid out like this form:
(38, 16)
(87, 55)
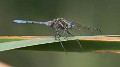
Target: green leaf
(89, 43)
(8, 40)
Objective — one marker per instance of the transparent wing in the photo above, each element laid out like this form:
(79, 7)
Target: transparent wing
(79, 30)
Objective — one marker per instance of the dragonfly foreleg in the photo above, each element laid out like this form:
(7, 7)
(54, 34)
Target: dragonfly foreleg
(67, 31)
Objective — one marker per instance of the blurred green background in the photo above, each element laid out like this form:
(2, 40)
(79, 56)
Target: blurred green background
(102, 14)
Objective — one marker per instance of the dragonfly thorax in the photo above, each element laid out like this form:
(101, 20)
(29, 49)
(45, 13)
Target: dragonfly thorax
(61, 23)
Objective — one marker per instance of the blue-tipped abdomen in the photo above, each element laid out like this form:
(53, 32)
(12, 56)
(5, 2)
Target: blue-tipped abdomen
(19, 21)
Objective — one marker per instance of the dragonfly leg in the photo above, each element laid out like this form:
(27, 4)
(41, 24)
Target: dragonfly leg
(62, 45)
(57, 37)
(79, 43)
(76, 39)
(69, 33)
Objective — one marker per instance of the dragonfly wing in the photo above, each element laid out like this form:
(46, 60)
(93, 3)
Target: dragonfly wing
(79, 30)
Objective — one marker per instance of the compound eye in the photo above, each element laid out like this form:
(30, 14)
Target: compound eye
(73, 25)
(70, 25)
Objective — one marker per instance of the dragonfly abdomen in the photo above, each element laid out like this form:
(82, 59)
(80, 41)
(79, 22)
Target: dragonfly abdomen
(22, 21)
(48, 23)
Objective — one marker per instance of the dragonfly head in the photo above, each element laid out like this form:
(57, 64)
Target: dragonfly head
(71, 24)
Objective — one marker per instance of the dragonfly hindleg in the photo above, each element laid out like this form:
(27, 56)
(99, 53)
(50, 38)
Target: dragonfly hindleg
(57, 37)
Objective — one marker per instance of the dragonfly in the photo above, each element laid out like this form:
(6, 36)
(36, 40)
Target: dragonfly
(65, 28)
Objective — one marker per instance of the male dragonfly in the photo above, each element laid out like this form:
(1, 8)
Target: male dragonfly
(65, 28)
